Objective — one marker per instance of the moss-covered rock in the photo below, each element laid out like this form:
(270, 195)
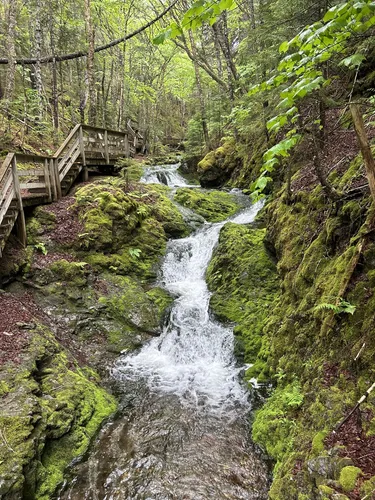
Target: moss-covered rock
(217, 166)
(348, 477)
(214, 206)
(243, 278)
(50, 411)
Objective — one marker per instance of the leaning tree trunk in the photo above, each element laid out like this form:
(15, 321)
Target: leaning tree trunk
(365, 147)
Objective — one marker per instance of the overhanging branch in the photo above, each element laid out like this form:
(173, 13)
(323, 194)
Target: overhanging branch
(84, 53)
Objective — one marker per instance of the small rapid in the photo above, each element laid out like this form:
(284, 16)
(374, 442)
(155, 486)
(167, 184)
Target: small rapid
(193, 358)
(183, 432)
(165, 174)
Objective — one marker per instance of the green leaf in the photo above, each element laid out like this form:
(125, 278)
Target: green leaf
(284, 47)
(159, 39)
(353, 61)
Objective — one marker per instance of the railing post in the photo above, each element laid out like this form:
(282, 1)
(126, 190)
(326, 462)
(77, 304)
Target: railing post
(82, 149)
(21, 224)
(53, 178)
(106, 146)
(57, 177)
(127, 146)
(47, 180)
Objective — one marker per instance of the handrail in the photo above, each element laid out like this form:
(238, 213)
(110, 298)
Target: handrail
(6, 163)
(67, 140)
(116, 132)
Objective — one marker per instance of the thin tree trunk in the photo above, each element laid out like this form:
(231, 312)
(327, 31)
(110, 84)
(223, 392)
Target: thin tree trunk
(365, 147)
(200, 96)
(55, 97)
(90, 30)
(11, 51)
(38, 53)
(252, 14)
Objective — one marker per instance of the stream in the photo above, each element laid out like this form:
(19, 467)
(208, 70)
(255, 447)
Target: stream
(183, 429)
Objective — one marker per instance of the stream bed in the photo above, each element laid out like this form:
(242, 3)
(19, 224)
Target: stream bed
(183, 428)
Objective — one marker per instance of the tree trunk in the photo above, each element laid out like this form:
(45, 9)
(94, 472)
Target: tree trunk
(365, 147)
(90, 33)
(252, 14)
(55, 96)
(200, 96)
(37, 67)
(11, 52)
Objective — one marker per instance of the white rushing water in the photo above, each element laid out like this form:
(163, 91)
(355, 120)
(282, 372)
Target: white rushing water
(165, 174)
(193, 358)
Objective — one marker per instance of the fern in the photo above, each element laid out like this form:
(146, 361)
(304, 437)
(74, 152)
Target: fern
(341, 306)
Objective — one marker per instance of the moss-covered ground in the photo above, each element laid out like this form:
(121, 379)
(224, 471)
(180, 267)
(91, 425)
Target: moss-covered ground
(310, 345)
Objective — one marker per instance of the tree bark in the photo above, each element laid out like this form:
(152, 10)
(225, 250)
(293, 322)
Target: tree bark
(38, 53)
(11, 50)
(90, 33)
(200, 96)
(365, 147)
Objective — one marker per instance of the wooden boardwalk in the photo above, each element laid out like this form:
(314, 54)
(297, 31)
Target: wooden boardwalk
(29, 180)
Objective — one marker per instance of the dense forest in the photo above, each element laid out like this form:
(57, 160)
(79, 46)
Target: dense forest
(187, 249)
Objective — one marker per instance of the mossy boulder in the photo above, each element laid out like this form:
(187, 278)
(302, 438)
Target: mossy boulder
(217, 166)
(243, 279)
(348, 477)
(136, 311)
(50, 411)
(214, 206)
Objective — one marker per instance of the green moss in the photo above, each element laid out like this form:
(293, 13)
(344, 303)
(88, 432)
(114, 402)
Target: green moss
(244, 282)
(348, 477)
(217, 166)
(326, 490)
(274, 426)
(214, 206)
(73, 273)
(162, 300)
(48, 416)
(318, 442)
(132, 306)
(368, 487)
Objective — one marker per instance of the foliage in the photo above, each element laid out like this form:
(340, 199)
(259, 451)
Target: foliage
(341, 306)
(300, 72)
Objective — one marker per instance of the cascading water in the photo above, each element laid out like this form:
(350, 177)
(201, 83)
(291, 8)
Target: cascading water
(193, 358)
(164, 174)
(185, 431)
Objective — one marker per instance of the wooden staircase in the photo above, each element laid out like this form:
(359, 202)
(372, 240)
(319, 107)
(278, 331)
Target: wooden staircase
(50, 177)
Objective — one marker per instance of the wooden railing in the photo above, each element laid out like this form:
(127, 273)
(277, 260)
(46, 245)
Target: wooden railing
(31, 179)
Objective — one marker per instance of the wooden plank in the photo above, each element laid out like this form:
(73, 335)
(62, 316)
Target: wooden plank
(57, 177)
(31, 157)
(32, 185)
(24, 173)
(8, 183)
(106, 146)
(6, 204)
(51, 169)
